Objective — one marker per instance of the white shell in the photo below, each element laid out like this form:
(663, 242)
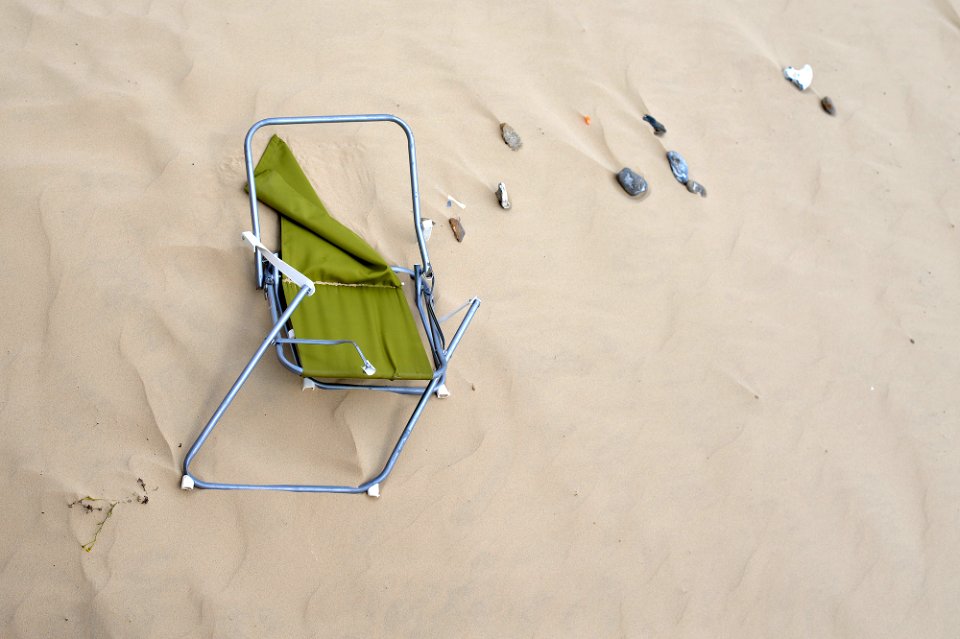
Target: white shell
(427, 227)
(801, 78)
(502, 196)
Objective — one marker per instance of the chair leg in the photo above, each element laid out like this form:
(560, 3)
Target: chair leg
(188, 481)
(472, 306)
(371, 487)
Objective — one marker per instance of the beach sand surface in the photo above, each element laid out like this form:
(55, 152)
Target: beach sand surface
(678, 417)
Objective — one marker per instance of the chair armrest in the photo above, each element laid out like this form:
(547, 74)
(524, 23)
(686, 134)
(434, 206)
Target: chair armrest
(296, 276)
(368, 368)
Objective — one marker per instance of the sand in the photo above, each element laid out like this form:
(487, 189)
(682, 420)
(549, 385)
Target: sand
(678, 417)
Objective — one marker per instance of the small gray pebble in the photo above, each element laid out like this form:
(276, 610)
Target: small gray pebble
(510, 136)
(695, 187)
(632, 183)
(679, 167)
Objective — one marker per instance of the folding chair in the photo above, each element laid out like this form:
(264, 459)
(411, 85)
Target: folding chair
(340, 317)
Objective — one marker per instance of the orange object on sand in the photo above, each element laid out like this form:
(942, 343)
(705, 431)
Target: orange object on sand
(586, 119)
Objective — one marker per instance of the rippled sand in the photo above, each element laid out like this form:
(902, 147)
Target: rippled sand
(678, 417)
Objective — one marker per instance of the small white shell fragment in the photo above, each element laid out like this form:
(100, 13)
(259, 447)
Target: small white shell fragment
(502, 196)
(801, 78)
(427, 227)
(450, 199)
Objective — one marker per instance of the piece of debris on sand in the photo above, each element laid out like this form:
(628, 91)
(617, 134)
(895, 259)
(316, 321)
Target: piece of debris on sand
(502, 196)
(457, 226)
(632, 182)
(658, 129)
(827, 105)
(510, 136)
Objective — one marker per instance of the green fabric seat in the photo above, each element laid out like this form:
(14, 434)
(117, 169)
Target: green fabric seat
(358, 297)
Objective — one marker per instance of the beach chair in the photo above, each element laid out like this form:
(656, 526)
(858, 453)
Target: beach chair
(340, 318)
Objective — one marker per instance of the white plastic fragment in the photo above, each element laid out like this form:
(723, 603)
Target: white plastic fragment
(442, 391)
(308, 384)
(186, 483)
(298, 278)
(427, 227)
(502, 196)
(801, 78)
(450, 199)
(374, 491)
(368, 368)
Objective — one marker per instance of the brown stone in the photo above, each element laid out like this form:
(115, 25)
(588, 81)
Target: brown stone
(457, 226)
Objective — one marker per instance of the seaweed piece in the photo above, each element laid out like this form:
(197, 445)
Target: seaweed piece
(87, 503)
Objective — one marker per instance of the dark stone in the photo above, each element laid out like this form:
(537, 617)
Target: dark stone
(632, 183)
(510, 136)
(827, 105)
(658, 129)
(679, 167)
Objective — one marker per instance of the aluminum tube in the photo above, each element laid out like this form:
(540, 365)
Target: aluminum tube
(228, 399)
(462, 328)
(337, 119)
(431, 387)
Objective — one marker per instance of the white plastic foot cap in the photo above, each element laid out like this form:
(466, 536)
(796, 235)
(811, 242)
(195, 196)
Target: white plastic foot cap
(442, 391)
(369, 369)
(186, 483)
(374, 491)
(308, 384)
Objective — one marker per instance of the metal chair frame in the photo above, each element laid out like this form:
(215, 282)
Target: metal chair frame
(268, 268)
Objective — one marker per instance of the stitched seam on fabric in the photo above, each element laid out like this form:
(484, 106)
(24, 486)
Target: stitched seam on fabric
(287, 280)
